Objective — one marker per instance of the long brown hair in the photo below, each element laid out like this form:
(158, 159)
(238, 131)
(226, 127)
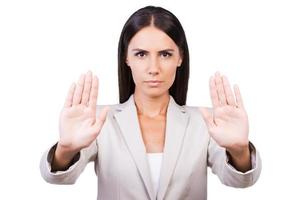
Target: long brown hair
(168, 23)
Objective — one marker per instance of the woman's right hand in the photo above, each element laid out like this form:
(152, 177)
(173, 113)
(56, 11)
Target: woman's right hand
(78, 124)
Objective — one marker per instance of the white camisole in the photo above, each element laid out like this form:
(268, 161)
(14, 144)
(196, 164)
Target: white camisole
(155, 160)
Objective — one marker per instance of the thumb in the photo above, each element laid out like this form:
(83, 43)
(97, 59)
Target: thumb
(101, 119)
(102, 116)
(207, 116)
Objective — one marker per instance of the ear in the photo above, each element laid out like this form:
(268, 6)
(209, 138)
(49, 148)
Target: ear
(179, 62)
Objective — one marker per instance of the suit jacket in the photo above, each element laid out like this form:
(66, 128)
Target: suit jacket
(121, 162)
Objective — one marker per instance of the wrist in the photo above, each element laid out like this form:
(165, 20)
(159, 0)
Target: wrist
(240, 158)
(239, 151)
(62, 158)
(65, 153)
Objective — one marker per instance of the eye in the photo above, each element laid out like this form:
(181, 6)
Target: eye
(165, 54)
(140, 54)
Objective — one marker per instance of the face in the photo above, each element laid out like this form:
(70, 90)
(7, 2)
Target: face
(153, 58)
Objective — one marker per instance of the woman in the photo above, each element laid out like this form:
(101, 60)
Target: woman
(151, 145)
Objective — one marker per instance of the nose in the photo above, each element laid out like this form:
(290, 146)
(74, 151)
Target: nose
(154, 66)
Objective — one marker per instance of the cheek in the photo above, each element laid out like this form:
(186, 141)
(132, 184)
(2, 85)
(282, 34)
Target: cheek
(170, 72)
(172, 78)
(136, 73)
(138, 68)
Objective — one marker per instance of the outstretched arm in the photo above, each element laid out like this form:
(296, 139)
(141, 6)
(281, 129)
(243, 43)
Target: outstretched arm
(228, 122)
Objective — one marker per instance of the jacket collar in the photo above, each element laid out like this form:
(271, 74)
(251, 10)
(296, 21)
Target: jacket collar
(176, 123)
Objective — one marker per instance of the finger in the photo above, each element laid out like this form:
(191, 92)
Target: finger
(78, 90)
(86, 88)
(94, 93)
(213, 92)
(220, 89)
(100, 120)
(228, 91)
(69, 99)
(238, 96)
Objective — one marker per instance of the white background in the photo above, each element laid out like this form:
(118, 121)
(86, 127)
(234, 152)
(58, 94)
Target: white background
(46, 45)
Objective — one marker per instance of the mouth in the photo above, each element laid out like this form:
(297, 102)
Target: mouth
(153, 83)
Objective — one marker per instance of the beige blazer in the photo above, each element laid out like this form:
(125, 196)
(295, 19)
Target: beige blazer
(121, 162)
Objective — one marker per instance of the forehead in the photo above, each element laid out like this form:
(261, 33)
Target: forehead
(151, 38)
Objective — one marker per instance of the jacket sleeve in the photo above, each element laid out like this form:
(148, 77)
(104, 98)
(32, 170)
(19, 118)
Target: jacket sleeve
(72, 173)
(219, 163)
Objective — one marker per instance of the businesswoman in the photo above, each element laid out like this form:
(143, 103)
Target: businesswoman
(151, 145)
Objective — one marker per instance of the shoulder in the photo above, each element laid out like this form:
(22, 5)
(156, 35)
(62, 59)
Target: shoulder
(196, 110)
(112, 108)
(198, 113)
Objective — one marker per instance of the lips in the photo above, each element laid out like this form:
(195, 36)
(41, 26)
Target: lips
(153, 83)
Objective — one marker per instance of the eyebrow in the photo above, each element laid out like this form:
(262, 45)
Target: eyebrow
(164, 50)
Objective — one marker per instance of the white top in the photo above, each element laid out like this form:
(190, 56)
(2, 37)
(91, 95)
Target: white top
(154, 160)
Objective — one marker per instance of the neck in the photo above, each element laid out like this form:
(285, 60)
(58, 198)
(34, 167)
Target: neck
(151, 107)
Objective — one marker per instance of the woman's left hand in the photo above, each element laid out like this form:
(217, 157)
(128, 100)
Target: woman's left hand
(227, 122)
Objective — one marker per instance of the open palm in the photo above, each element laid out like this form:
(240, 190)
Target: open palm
(227, 122)
(78, 123)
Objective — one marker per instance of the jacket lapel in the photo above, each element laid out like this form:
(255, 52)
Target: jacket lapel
(177, 120)
(130, 128)
(176, 123)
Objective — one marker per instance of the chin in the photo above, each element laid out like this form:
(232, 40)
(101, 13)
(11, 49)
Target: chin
(155, 92)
